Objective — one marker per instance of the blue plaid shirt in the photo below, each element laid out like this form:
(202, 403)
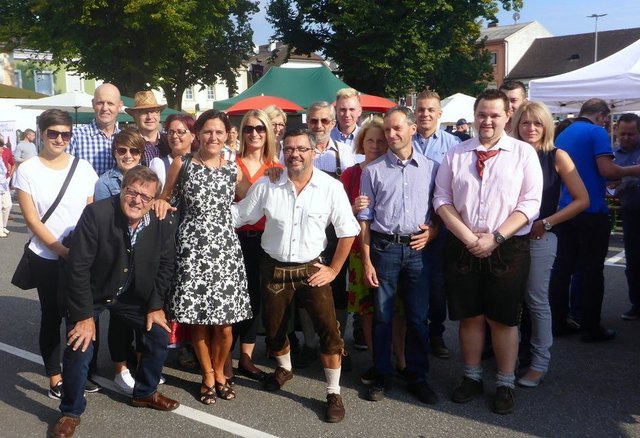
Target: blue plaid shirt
(91, 144)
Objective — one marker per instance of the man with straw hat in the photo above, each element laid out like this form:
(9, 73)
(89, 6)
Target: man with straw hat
(146, 113)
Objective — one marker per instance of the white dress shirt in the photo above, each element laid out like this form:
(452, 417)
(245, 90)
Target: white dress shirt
(295, 227)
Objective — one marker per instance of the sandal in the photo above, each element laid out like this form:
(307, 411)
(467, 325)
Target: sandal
(225, 391)
(207, 396)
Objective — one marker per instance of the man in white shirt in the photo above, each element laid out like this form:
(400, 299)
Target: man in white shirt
(298, 208)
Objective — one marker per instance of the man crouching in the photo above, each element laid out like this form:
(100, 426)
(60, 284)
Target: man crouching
(121, 260)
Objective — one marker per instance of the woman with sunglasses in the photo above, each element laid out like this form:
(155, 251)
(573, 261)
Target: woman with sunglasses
(127, 152)
(127, 149)
(38, 182)
(257, 154)
(210, 285)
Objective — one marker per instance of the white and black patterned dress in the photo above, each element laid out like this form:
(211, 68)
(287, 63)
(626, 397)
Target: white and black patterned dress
(210, 285)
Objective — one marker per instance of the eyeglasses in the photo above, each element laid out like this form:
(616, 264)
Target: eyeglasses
(179, 132)
(122, 151)
(130, 193)
(278, 125)
(324, 121)
(300, 149)
(53, 134)
(248, 129)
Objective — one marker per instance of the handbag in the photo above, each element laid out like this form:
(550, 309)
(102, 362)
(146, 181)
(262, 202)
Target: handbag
(23, 277)
(178, 193)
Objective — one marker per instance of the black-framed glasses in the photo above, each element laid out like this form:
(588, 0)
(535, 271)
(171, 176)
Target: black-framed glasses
(248, 129)
(179, 132)
(300, 149)
(52, 134)
(278, 125)
(130, 193)
(122, 151)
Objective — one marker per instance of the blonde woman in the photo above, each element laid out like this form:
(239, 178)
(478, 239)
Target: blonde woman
(533, 123)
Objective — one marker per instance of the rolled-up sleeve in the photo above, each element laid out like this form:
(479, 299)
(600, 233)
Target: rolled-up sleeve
(366, 189)
(250, 209)
(443, 194)
(342, 217)
(531, 192)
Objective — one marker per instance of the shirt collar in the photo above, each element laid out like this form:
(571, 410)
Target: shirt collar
(393, 159)
(504, 143)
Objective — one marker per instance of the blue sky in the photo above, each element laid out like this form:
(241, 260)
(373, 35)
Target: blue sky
(560, 17)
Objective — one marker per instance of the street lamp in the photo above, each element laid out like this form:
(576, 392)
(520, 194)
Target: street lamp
(596, 16)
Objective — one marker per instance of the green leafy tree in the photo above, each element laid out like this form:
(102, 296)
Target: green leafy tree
(393, 47)
(136, 44)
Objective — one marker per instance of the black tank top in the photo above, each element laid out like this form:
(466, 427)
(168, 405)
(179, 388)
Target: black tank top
(551, 184)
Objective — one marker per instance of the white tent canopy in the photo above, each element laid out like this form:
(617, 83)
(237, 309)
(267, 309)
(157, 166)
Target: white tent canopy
(457, 106)
(615, 79)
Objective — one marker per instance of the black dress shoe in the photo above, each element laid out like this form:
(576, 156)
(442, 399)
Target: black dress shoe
(423, 392)
(600, 335)
(253, 375)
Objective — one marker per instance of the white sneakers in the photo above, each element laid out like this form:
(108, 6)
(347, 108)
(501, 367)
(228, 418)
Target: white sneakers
(125, 382)
(4, 232)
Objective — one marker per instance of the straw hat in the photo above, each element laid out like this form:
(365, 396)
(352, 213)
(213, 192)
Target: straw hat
(144, 100)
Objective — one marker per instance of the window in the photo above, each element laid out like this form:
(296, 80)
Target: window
(74, 82)
(494, 58)
(188, 93)
(44, 82)
(17, 77)
(211, 92)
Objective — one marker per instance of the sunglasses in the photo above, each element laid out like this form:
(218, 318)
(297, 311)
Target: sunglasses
(130, 193)
(53, 134)
(323, 121)
(122, 151)
(248, 129)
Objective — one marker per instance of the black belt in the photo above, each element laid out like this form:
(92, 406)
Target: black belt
(403, 239)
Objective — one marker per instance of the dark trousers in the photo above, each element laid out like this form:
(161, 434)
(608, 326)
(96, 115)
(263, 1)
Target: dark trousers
(251, 252)
(437, 295)
(76, 363)
(284, 282)
(50, 318)
(631, 236)
(583, 243)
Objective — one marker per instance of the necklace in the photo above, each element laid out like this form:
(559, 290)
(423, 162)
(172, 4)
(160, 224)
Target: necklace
(204, 162)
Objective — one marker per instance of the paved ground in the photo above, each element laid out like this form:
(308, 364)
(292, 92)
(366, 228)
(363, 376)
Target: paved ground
(591, 390)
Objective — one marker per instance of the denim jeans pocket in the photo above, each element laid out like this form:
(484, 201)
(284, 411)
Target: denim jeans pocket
(380, 244)
(276, 285)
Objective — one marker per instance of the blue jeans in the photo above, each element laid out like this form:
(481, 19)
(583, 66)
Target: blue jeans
(76, 363)
(543, 254)
(395, 262)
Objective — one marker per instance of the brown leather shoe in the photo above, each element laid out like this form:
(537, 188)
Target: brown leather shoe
(156, 401)
(335, 409)
(277, 379)
(65, 427)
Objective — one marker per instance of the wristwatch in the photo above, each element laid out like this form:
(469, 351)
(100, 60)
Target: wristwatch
(499, 238)
(547, 225)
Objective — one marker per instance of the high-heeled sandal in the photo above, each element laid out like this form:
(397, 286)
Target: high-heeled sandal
(207, 394)
(224, 391)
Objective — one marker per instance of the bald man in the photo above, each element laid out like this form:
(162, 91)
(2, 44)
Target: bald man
(92, 142)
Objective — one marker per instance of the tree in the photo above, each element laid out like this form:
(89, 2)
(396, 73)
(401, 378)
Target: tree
(391, 48)
(137, 44)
